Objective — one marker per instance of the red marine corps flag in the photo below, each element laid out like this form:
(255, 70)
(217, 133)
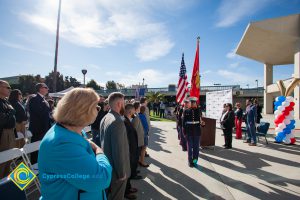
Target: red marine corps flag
(195, 82)
(182, 87)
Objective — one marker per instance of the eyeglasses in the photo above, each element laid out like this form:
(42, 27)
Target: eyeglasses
(45, 87)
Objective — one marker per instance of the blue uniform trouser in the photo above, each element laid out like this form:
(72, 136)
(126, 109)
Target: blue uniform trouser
(252, 129)
(193, 143)
(182, 139)
(248, 132)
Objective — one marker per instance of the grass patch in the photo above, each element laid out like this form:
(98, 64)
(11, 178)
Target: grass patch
(157, 118)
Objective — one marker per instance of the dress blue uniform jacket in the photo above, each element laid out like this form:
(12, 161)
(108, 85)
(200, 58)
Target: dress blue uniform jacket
(69, 169)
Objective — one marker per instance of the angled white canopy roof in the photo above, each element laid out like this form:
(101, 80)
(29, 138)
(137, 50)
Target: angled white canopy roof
(273, 41)
(61, 93)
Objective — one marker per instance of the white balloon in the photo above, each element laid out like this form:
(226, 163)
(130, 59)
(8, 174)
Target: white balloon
(277, 112)
(287, 140)
(282, 126)
(292, 135)
(287, 121)
(291, 113)
(281, 108)
(285, 103)
(290, 98)
(277, 130)
(288, 136)
(276, 99)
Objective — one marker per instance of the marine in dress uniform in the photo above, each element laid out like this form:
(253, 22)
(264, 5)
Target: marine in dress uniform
(191, 124)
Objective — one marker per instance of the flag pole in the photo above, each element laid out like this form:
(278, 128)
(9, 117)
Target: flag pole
(198, 42)
(56, 48)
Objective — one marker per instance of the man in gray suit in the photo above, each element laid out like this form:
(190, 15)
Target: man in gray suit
(115, 145)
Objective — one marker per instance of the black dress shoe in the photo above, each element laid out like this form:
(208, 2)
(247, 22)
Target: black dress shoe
(144, 165)
(137, 177)
(133, 190)
(191, 165)
(228, 148)
(130, 196)
(138, 171)
(147, 155)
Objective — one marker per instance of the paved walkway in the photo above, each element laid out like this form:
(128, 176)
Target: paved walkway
(263, 172)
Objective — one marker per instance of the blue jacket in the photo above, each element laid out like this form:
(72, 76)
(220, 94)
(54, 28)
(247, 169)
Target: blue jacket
(251, 115)
(144, 123)
(69, 169)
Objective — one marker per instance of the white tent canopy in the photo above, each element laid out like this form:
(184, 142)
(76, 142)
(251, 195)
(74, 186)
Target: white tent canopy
(61, 93)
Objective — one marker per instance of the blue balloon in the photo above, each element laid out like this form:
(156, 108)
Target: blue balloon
(281, 98)
(276, 107)
(293, 122)
(278, 139)
(278, 103)
(293, 127)
(281, 134)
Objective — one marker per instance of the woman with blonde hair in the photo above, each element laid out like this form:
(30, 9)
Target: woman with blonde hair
(70, 166)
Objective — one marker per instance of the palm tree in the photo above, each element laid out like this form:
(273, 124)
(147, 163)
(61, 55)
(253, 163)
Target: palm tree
(155, 97)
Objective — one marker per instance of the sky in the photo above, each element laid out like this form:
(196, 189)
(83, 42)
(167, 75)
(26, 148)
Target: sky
(128, 40)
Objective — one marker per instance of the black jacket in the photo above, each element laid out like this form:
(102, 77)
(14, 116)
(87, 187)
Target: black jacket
(39, 118)
(228, 121)
(132, 140)
(20, 111)
(7, 115)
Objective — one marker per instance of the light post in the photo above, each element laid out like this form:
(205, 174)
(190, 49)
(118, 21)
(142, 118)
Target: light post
(256, 87)
(143, 82)
(247, 86)
(84, 71)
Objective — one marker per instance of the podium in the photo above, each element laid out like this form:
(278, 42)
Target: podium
(208, 132)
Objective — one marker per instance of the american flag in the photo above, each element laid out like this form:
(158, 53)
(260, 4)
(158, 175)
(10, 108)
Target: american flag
(182, 87)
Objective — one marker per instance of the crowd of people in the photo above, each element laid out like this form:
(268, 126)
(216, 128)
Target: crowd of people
(72, 164)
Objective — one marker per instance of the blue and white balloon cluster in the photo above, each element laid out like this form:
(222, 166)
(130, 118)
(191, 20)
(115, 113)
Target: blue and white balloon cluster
(284, 119)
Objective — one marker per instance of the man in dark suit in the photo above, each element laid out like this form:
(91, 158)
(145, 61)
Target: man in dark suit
(39, 116)
(115, 145)
(251, 113)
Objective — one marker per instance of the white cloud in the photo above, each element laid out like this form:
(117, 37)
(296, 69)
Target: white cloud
(232, 11)
(234, 65)
(231, 54)
(102, 23)
(236, 77)
(206, 72)
(154, 48)
(23, 48)
(153, 78)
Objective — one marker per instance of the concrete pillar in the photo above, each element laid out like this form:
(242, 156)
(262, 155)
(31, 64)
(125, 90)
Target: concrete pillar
(297, 89)
(268, 98)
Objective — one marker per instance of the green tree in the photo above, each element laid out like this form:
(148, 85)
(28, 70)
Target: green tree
(111, 85)
(120, 86)
(93, 84)
(59, 81)
(155, 97)
(27, 83)
(70, 81)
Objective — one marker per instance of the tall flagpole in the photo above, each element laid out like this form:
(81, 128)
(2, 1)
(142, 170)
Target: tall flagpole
(198, 43)
(56, 48)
